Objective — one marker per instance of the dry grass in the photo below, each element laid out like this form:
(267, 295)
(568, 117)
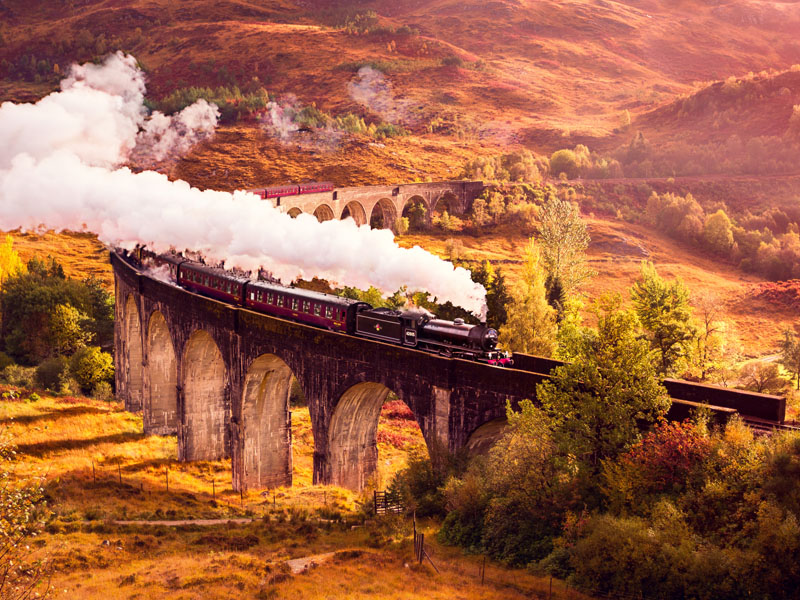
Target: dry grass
(60, 438)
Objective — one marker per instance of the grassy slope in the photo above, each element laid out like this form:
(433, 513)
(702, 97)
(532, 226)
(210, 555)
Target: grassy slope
(60, 438)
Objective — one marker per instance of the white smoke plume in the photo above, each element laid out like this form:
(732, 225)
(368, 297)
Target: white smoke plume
(371, 89)
(60, 169)
(280, 122)
(164, 139)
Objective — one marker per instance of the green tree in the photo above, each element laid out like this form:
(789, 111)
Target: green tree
(531, 324)
(28, 300)
(790, 354)
(67, 329)
(718, 232)
(497, 296)
(563, 238)
(599, 401)
(89, 366)
(401, 225)
(665, 313)
(497, 206)
(480, 215)
(564, 161)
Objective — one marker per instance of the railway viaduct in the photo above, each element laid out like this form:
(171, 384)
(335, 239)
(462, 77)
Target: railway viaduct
(382, 205)
(220, 377)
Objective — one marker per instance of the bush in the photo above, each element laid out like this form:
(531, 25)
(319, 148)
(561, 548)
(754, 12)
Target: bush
(5, 360)
(91, 366)
(102, 391)
(19, 376)
(564, 161)
(53, 374)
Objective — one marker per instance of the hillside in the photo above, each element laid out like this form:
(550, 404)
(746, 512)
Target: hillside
(511, 70)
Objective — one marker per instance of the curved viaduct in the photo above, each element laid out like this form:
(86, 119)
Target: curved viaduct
(364, 204)
(220, 376)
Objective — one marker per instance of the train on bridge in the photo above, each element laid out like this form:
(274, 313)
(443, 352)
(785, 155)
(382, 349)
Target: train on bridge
(411, 328)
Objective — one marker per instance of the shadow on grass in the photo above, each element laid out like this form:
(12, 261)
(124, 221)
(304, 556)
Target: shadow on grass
(40, 449)
(52, 415)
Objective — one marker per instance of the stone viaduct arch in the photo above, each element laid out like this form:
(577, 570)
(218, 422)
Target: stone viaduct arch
(132, 355)
(161, 386)
(352, 434)
(266, 424)
(323, 213)
(384, 214)
(203, 384)
(354, 210)
(417, 210)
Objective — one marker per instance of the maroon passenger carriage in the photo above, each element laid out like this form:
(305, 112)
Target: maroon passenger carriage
(314, 308)
(293, 190)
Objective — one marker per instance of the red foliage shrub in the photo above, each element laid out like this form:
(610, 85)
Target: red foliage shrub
(783, 293)
(393, 438)
(397, 409)
(667, 455)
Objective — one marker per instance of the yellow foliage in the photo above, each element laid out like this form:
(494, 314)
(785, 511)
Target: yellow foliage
(10, 262)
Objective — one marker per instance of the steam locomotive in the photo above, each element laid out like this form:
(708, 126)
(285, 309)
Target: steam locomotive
(410, 328)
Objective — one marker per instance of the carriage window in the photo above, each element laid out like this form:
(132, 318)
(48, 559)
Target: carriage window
(269, 298)
(279, 300)
(252, 295)
(306, 306)
(317, 310)
(328, 312)
(294, 303)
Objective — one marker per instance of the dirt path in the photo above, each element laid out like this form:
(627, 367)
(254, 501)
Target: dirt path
(200, 522)
(298, 565)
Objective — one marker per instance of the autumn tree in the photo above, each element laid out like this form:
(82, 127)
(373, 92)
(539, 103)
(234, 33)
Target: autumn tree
(715, 349)
(665, 313)
(564, 239)
(718, 232)
(564, 161)
(10, 263)
(497, 296)
(531, 324)
(790, 354)
(762, 377)
(480, 215)
(600, 400)
(66, 329)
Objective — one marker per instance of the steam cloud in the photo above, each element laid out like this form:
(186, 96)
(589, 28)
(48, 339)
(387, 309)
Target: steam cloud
(371, 89)
(60, 169)
(280, 122)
